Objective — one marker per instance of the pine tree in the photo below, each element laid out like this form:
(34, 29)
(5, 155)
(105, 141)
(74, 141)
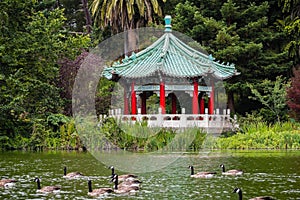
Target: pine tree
(243, 33)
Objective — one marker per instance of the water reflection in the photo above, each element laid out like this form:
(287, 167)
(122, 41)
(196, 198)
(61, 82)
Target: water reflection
(274, 173)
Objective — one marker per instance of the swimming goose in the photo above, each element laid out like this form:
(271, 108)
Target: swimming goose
(99, 191)
(46, 189)
(123, 177)
(239, 191)
(72, 174)
(7, 182)
(201, 174)
(231, 172)
(124, 187)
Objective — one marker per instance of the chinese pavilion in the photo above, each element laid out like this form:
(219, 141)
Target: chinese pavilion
(167, 67)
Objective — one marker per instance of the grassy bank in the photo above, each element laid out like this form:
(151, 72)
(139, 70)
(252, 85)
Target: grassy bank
(138, 137)
(255, 135)
(263, 136)
(43, 137)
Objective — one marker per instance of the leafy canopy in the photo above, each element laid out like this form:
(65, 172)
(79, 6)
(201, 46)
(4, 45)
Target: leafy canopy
(33, 38)
(272, 95)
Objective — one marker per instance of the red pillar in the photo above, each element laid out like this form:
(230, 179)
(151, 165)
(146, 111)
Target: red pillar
(133, 100)
(173, 104)
(143, 103)
(195, 97)
(212, 99)
(126, 110)
(162, 97)
(202, 105)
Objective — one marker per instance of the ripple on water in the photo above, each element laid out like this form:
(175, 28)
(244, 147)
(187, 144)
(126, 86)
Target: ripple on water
(278, 178)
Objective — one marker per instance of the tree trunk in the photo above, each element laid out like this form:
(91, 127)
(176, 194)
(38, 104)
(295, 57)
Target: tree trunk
(87, 16)
(230, 101)
(131, 39)
(149, 12)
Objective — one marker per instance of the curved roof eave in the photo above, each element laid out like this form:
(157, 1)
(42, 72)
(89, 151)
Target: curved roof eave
(170, 56)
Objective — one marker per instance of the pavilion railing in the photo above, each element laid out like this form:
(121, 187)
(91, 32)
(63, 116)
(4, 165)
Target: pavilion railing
(205, 121)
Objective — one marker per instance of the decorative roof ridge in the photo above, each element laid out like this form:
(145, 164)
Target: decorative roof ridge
(195, 53)
(164, 51)
(152, 46)
(180, 45)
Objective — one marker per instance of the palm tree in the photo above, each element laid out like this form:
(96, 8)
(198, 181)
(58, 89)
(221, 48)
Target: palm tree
(123, 15)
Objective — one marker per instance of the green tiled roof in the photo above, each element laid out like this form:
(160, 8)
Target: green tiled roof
(171, 57)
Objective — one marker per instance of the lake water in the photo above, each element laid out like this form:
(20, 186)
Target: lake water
(274, 173)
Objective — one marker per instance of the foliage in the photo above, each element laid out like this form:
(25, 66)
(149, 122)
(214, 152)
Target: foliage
(291, 26)
(241, 33)
(39, 50)
(139, 137)
(263, 136)
(272, 95)
(67, 75)
(103, 100)
(124, 15)
(31, 44)
(75, 16)
(293, 93)
(152, 104)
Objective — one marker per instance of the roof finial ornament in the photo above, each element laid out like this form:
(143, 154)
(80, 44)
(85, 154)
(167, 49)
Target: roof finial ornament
(211, 58)
(168, 23)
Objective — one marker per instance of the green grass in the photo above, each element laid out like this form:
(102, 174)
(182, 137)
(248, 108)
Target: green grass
(139, 137)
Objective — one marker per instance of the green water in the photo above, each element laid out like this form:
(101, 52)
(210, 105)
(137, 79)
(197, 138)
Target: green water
(275, 173)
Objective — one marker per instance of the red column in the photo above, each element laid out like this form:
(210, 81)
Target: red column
(173, 104)
(202, 105)
(133, 100)
(195, 97)
(211, 99)
(162, 97)
(126, 110)
(143, 103)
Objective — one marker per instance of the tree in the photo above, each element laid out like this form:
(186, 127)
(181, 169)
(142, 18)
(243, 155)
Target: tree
(67, 75)
(124, 15)
(78, 16)
(242, 33)
(291, 26)
(293, 93)
(272, 95)
(31, 44)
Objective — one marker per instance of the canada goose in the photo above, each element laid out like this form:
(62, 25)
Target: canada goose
(99, 191)
(231, 172)
(7, 182)
(127, 182)
(239, 191)
(72, 174)
(201, 174)
(124, 187)
(123, 177)
(131, 182)
(46, 189)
